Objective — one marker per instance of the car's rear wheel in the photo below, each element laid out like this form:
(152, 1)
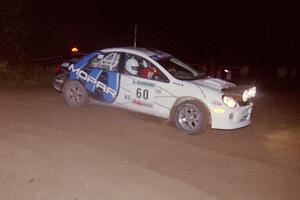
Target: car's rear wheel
(191, 117)
(75, 93)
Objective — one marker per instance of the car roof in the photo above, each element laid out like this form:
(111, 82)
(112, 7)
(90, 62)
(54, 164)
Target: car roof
(146, 52)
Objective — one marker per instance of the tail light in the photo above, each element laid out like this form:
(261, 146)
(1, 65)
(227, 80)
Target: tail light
(57, 68)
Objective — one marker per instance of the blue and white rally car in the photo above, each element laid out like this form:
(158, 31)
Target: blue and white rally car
(155, 83)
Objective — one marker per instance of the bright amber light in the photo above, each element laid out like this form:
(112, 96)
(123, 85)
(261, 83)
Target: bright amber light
(74, 49)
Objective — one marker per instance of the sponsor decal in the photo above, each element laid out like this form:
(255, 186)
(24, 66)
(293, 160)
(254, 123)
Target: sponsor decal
(217, 103)
(81, 74)
(143, 83)
(155, 57)
(142, 103)
(158, 91)
(179, 84)
(159, 55)
(127, 97)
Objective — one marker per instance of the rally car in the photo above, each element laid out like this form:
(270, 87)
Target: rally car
(156, 83)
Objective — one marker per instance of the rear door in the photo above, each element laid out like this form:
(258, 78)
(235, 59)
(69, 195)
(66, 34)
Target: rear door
(99, 73)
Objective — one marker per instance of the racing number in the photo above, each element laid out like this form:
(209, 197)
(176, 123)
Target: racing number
(142, 93)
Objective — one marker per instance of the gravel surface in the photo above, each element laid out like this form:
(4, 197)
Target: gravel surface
(49, 150)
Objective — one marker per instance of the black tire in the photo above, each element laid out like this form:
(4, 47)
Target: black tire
(191, 117)
(75, 93)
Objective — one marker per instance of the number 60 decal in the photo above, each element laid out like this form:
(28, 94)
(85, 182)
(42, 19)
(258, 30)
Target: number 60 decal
(140, 93)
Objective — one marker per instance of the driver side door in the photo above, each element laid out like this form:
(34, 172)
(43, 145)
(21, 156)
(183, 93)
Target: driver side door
(139, 91)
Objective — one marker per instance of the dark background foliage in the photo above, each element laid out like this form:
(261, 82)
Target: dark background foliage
(235, 32)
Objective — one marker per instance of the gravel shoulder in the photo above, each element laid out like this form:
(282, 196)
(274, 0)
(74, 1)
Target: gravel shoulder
(51, 151)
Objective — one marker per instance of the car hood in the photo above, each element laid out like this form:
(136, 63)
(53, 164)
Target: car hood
(213, 83)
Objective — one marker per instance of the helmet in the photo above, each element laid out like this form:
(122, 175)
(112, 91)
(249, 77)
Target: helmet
(131, 66)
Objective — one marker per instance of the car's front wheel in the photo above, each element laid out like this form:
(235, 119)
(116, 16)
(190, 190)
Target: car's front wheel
(75, 93)
(191, 117)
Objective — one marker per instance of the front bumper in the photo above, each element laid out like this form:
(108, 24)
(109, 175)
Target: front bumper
(232, 118)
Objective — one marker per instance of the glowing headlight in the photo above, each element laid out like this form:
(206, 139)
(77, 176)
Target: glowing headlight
(247, 94)
(229, 101)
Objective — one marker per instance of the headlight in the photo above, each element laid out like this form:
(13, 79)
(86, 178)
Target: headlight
(229, 101)
(247, 94)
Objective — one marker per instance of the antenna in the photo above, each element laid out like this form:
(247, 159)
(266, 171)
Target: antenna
(135, 35)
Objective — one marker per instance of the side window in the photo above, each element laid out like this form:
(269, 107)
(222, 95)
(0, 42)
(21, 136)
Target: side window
(108, 61)
(140, 67)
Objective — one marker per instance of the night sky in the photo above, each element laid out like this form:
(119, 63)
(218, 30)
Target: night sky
(235, 32)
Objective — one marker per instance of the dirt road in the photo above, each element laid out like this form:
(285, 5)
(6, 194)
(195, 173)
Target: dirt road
(51, 151)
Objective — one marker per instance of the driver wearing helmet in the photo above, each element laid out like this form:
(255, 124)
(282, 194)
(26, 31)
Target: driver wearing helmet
(131, 66)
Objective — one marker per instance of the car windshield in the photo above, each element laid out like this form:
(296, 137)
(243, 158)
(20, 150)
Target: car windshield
(179, 69)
